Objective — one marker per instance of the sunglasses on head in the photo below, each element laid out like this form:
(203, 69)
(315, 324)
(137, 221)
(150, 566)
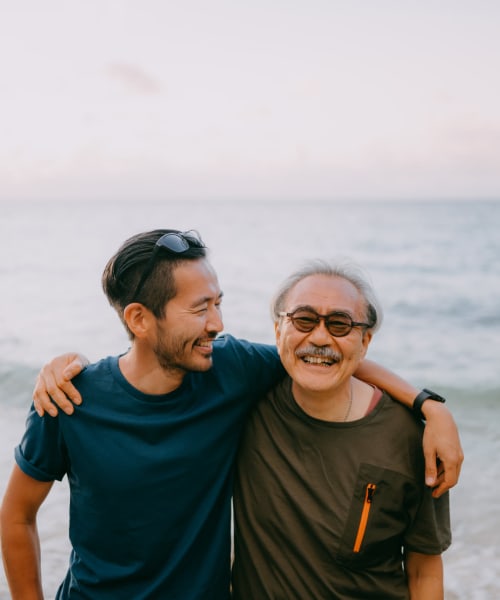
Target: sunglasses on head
(338, 324)
(175, 243)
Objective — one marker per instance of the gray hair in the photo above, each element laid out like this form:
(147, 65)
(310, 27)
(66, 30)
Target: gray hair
(342, 269)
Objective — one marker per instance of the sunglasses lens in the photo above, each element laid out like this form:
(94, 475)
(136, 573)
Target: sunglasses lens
(304, 321)
(339, 327)
(193, 237)
(173, 242)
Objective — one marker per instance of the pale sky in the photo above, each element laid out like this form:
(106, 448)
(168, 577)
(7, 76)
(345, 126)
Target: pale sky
(249, 99)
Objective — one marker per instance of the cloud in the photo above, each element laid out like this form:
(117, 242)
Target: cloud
(134, 78)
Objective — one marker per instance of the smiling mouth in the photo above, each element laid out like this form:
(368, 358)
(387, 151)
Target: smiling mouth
(318, 355)
(204, 346)
(319, 360)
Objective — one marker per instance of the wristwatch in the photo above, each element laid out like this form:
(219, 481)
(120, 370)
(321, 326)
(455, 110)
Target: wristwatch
(424, 395)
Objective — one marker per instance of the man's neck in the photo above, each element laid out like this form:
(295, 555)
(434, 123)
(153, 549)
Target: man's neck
(143, 372)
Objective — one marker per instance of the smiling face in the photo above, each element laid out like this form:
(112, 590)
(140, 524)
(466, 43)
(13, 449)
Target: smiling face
(319, 363)
(184, 337)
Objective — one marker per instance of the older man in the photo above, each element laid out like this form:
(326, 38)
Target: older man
(329, 496)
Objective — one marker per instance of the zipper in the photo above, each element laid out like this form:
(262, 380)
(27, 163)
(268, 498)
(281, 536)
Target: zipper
(370, 490)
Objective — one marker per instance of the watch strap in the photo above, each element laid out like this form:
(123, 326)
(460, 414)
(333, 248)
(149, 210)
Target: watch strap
(424, 395)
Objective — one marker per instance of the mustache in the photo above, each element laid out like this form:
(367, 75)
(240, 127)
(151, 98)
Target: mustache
(321, 351)
(209, 336)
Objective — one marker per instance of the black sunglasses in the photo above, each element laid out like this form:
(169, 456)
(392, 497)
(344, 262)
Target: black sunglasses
(176, 243)
(339, 324)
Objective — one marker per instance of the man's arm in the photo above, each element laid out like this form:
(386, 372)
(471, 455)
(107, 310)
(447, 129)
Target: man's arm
(442, 449)
(19, 535)
(53, 384)
(425, 576)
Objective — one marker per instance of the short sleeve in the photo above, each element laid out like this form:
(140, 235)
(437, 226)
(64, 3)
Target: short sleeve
(42, 453)
(431, 530)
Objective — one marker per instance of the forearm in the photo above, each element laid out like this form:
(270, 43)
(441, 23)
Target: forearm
(393, 384)
(425, 588)
(425, 577)
(441, 439)
(18, 530)
(21, 557)
(385, 379)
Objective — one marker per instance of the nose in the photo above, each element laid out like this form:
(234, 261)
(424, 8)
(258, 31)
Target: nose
(214, 320)
(320, 334)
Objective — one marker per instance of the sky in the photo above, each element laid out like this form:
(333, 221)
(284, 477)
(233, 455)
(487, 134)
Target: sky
(254, 99)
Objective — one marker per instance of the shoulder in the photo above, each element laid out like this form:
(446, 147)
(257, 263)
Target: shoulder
(104, 364)
(101, 377)
(231, 347)
(399, 410)
(399, 417)
(255, 365)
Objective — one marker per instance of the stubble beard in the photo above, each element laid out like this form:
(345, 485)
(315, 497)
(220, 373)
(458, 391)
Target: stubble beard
(171, 355)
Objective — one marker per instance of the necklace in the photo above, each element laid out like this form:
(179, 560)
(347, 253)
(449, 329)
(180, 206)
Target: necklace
(349, 405)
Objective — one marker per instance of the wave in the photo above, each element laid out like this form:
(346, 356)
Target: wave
(16, 384)
(18, 380)
(473, 403)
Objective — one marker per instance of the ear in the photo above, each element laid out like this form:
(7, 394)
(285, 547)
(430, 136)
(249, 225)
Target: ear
(138, 319)
(367, 338)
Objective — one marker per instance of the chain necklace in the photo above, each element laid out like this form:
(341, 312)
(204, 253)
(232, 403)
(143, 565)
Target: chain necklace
(349, 406)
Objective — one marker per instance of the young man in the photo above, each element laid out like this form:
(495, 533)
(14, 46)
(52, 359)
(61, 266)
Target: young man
(329, 497)
(149, 453)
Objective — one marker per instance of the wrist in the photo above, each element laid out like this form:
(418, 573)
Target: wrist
(425, 402)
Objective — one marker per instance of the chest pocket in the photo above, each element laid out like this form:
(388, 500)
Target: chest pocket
(382, 508)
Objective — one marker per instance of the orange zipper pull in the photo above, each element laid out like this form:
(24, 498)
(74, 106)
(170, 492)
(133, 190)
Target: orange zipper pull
(370, 490)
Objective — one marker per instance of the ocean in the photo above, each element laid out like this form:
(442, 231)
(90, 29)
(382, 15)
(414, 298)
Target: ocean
(435, 266)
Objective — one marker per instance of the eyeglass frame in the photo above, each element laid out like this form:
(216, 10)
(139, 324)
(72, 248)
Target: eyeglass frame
(318, 318)
(182, 237)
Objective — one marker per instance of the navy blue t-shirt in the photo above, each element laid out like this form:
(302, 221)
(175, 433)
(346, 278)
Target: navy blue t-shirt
(151, 476)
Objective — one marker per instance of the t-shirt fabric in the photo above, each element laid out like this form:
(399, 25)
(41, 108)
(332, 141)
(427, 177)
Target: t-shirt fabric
(302, 486)
(151, 476)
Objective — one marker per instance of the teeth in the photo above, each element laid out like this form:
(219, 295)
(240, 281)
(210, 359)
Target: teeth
(316, 360)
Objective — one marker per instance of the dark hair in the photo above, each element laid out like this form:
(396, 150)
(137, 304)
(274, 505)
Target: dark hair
(124, 270)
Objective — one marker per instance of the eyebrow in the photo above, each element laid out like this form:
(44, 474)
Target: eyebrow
(303, 307)
(338, 311)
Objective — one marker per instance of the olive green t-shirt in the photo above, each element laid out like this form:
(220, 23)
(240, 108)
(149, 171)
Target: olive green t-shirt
(323, 509)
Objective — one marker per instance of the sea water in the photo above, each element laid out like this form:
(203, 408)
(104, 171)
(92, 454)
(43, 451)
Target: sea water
(435, 266)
